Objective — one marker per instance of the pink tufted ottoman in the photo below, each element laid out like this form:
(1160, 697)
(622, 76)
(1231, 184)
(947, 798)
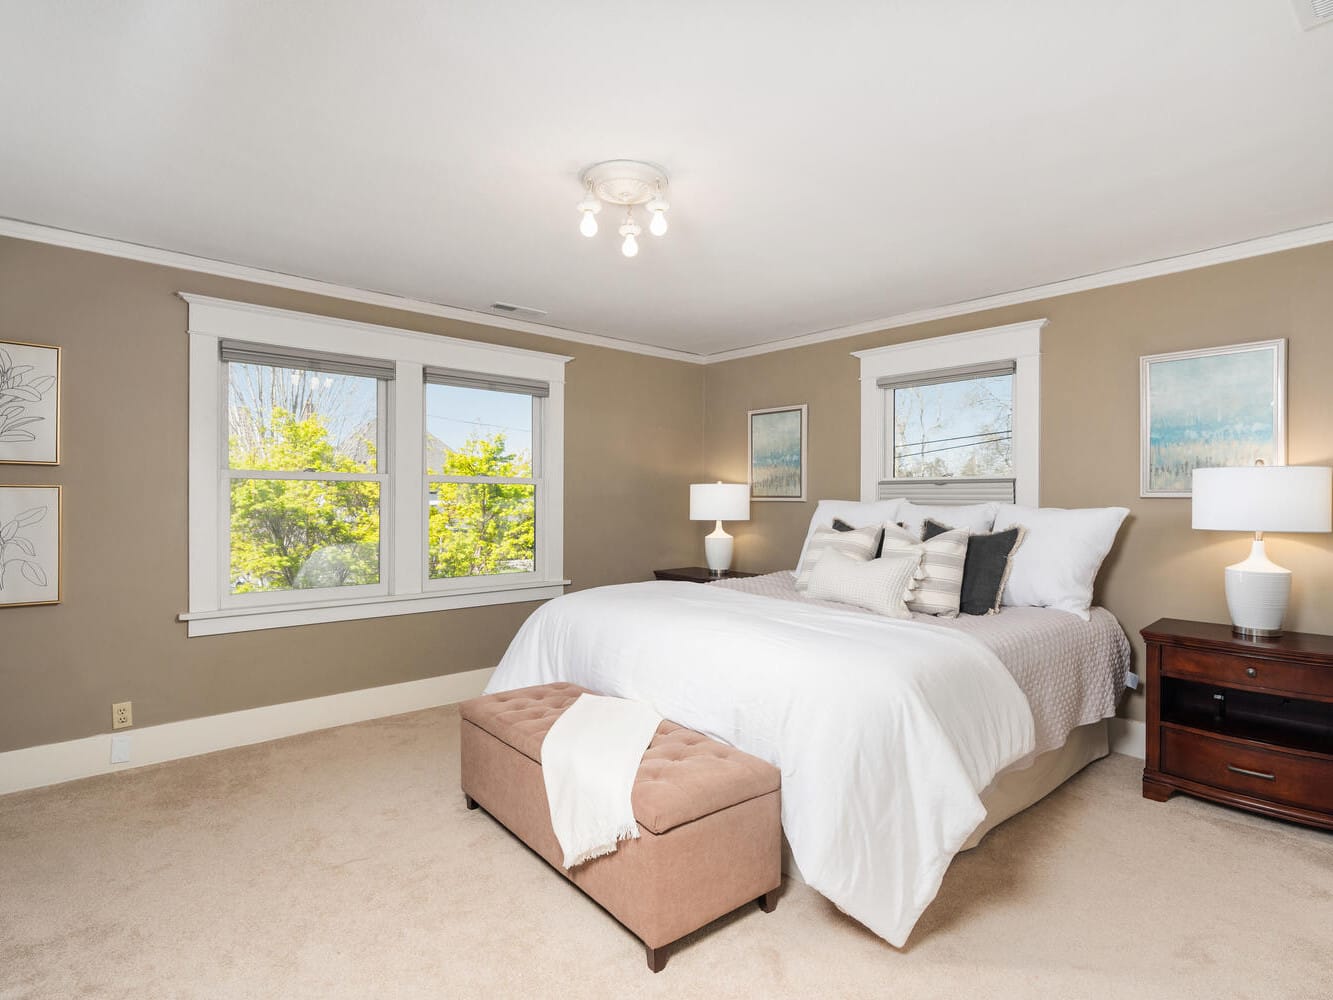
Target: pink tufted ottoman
(710, 836)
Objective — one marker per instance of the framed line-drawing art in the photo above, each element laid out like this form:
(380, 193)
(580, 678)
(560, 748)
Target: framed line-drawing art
(30, 555)
(1218, 407)
(777, 453)
(29, 404)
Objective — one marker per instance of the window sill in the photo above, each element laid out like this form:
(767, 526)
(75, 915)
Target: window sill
(286, 615)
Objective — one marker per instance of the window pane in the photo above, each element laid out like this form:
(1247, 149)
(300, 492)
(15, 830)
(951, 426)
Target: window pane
(478, 432)
(303, 534)
(954, 429)
(282, 419)
(481, 529)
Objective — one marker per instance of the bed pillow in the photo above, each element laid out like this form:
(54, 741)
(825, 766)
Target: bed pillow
(878, 585)
(939, 583)
(1063, 550)
(853, 512)
(976, 518)
(986, 567)
(859, 544)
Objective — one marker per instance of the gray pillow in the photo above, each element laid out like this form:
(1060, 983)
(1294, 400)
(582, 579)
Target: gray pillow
(985, 567)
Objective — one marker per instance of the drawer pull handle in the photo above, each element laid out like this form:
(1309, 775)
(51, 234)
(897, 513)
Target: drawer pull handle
(1251, 672)
(1252, 774)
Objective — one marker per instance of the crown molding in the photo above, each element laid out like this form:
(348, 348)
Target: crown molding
(1290, 240)
(18, 229)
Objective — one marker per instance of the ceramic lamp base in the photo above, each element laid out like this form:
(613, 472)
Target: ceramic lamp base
(717, 550)
(1257, 594)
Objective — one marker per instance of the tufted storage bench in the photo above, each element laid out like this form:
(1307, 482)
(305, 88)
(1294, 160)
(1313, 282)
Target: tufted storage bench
(710, 836)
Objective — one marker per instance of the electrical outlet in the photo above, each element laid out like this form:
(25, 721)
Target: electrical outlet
(122, 715)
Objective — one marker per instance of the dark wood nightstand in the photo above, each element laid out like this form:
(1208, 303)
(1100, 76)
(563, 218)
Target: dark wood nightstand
(1248, 723)
(698, 574)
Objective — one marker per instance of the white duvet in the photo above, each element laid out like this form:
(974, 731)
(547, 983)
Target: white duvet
(885, 731)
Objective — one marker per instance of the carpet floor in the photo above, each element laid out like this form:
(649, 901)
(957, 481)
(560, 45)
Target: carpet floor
(343, 864)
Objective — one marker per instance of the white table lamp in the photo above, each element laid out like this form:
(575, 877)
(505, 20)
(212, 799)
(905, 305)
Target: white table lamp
(719, 502)
(1262, 498)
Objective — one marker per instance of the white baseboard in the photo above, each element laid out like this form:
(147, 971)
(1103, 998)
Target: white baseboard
(33, 767)
(1129, 737)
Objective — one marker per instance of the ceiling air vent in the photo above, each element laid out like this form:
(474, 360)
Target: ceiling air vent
(513, 310)
(1313, 13)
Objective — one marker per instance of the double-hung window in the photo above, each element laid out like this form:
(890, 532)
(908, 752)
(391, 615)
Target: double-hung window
(953, 419)
(340, 470)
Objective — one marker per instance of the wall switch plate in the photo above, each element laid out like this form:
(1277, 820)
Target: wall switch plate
(122, 715)
(120, 749)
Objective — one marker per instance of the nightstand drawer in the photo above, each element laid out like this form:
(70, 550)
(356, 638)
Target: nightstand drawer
(1264, 774)
(1225, 669)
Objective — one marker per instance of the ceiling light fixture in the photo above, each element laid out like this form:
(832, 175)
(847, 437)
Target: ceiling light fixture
(628, 183)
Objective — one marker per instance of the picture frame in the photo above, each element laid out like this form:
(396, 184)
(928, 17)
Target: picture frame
(31, 545)
(1214, 407)
(778, 464)
(29, 403)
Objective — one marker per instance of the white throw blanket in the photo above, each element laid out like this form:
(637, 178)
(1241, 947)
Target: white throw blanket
(589, 760)
(885, 731)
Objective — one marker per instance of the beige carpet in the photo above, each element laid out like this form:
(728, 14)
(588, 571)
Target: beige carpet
(343, 864)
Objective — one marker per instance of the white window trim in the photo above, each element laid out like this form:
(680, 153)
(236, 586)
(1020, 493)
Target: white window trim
(403, 569)
(1017, 342)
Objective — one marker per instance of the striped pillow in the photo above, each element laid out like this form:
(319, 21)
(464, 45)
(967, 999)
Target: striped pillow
(878, 585)
(940, 582)
(857, 544)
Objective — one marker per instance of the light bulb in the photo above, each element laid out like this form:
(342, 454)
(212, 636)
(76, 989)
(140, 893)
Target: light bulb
(658, 226)
(588, 225)
(630, 247)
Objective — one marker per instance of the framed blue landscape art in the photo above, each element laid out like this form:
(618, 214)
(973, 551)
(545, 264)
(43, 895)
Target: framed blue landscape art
(777, 453)
(1219, 407)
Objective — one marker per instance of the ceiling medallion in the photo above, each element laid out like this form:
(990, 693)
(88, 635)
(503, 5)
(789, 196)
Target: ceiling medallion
(628, 183)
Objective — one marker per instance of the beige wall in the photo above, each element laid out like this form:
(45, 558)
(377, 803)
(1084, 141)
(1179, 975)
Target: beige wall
(633, 442)
(1089, 425)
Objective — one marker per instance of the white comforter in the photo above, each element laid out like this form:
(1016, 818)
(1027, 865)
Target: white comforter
(885, 731)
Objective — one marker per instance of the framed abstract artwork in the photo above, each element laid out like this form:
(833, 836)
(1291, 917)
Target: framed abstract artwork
(777, 453)
(30, 555)
(29, 404)
(1218, 407)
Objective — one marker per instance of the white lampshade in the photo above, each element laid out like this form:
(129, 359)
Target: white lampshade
(719, 502)
(1274, 498)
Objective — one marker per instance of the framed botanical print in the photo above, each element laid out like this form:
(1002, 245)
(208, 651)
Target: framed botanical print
(29, 404)
(1217, 407)
(777, 453)
(30, 554)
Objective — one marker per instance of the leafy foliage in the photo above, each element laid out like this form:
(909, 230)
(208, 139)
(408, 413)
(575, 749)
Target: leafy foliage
(481, 529)
(298, 534)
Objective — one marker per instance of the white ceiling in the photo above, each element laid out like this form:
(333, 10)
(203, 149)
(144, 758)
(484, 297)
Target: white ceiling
(831, 163)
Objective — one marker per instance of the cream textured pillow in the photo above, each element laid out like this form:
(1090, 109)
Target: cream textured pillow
(940, 581)
(877, 585)
(859, 544)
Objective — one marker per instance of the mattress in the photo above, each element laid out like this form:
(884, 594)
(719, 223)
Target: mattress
(1071, 671)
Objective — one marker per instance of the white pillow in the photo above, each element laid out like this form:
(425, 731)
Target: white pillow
(859, 544)
(878, 585)
(853, 512)
(1057, 564)
(977, 518)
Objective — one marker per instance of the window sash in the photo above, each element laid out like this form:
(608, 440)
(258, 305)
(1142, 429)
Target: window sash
(890, 385)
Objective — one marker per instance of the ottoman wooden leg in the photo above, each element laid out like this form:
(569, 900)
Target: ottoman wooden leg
(768, 902)
(657, 957)
(469, 801)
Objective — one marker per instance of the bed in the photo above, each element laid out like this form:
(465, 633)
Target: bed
(900, 741)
